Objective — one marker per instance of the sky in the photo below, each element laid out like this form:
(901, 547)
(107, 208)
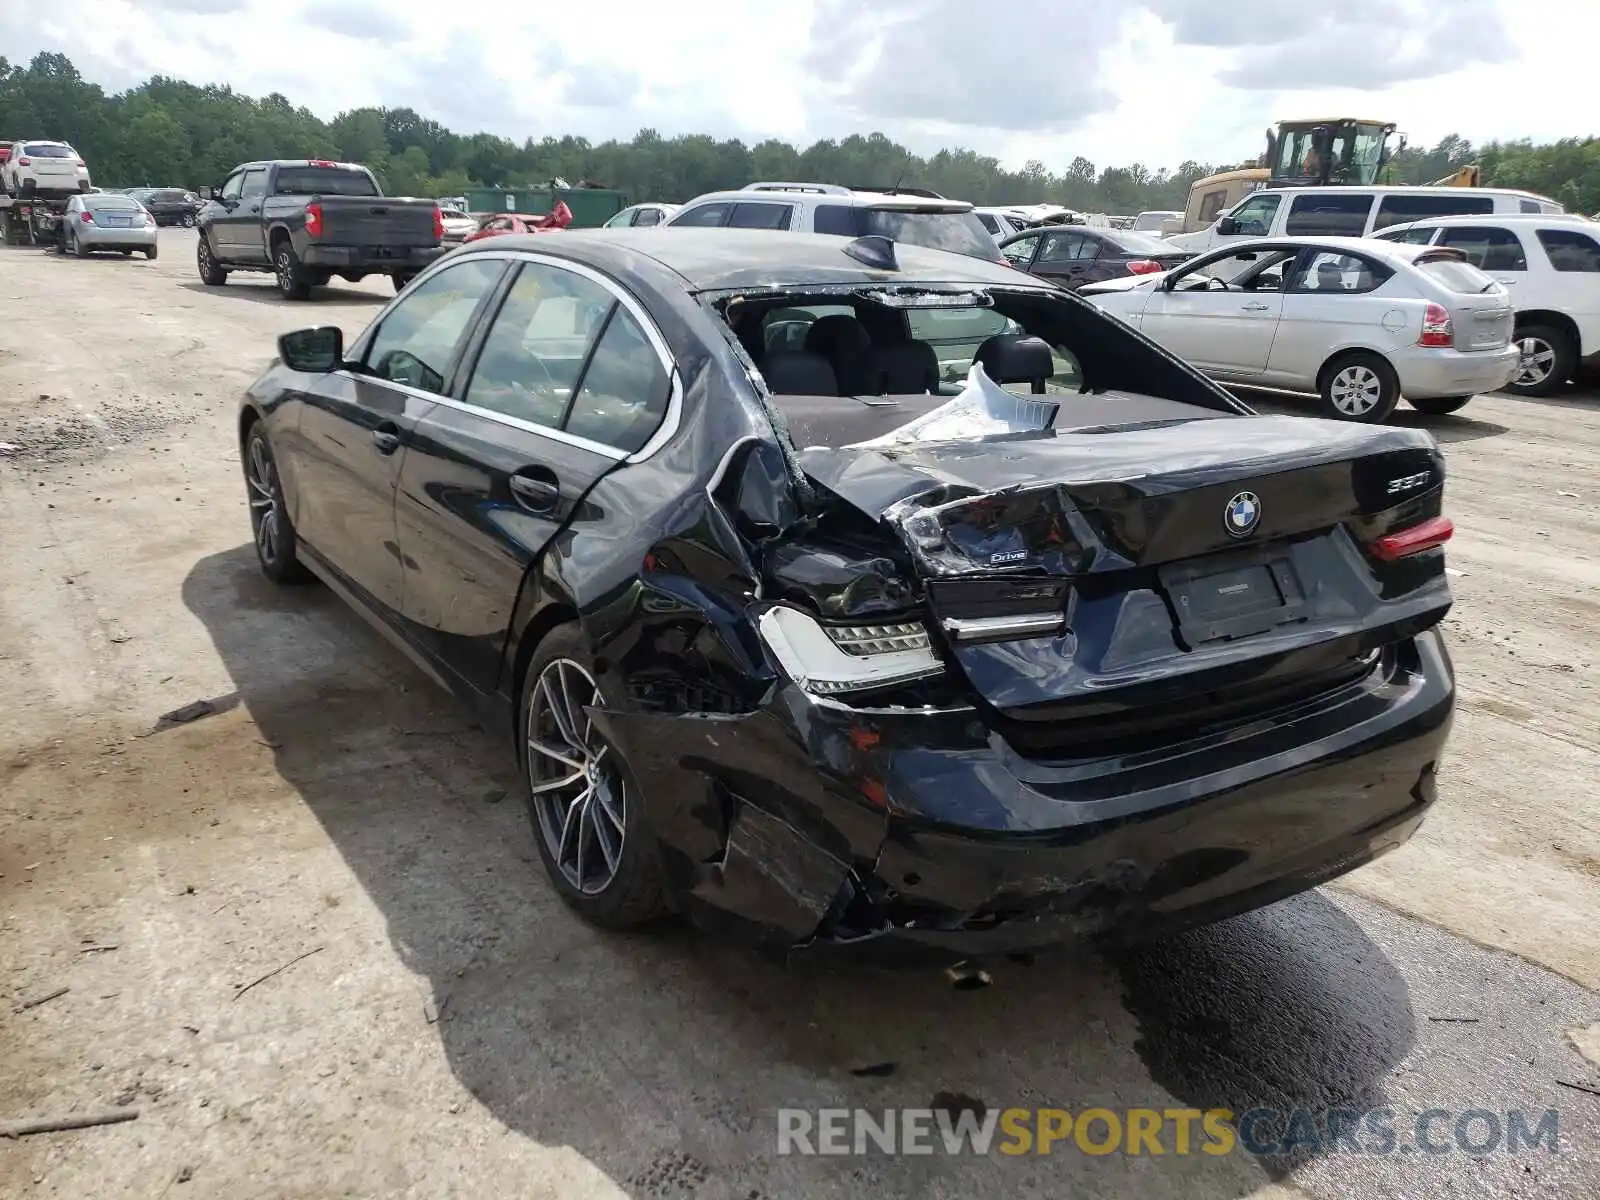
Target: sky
(1116, 81)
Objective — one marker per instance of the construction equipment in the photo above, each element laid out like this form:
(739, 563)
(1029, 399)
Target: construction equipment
(29, 220)
(1345, 150)
(1469, 176)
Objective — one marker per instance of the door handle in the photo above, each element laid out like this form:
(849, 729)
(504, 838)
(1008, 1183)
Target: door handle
(386, 437)
(537, 495)
(1257, 307)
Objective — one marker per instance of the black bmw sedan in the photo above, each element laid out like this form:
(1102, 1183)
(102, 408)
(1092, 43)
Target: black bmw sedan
(851, 596)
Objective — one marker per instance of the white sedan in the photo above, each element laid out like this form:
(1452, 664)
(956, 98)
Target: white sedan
(1358, 321)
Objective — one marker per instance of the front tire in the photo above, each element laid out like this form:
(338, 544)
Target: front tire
(1439, 406)
(294, 282)
(400, 281)
(277, 545)
(212, 273)
(1359, 387)
(1548, 360)
(583, 802)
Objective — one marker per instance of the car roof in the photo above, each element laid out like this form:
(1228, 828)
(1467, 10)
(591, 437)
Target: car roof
(1495, 219)
(1394, 189)
(1372, 247)
(714, 259)
(774, 195)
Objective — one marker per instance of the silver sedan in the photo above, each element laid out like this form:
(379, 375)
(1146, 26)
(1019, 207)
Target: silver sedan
(104, 221)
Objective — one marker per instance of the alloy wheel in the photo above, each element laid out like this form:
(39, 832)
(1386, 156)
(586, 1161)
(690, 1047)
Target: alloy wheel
(580, 794)
(1538, 360)
(263, 485)
(1356, 390)
(285, 270)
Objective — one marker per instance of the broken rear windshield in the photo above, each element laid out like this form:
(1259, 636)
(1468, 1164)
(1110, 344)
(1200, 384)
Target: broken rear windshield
(324, 181)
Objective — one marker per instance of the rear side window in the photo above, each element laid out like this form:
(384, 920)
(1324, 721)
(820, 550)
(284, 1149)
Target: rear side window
(625, 390)
(841, 220)
(1398, 209)
(1328, 216)
(1571, 250)
(1069, 247)
(1411, 237)
(648, 216)
(323, 181)
(1487, 247)
(989, 223)
(761, 216)
(1341, 274)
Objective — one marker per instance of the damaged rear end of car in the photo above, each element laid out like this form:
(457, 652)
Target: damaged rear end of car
(1072, 648)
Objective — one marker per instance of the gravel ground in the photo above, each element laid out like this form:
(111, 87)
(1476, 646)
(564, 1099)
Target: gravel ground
(452, 1031)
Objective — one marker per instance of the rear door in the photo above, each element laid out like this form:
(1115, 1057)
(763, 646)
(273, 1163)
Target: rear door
(761, 215)
(710, 215)
(354, 427)
(568, 379)
(1067, 257)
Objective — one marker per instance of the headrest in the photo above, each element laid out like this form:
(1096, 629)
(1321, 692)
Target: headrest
(838, 334)
(799, 373)
(1015, 358)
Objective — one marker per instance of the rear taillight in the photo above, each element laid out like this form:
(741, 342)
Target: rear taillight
(438, 223)
(80, 163)
(1435, 531)
(314, 219)
(1437, 329)
(24, 162)
(86, 217)
(149, 220)
(1144, 266)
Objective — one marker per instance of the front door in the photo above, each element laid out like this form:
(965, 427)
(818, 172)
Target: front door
(354, 428)
(1222, 314)
(222, 231)
(566, 381)
(250, 244)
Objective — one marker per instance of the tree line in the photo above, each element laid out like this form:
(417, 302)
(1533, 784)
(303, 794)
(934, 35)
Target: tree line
(171, 133)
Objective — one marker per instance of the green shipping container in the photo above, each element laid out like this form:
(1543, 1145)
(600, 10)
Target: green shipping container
(590, 206)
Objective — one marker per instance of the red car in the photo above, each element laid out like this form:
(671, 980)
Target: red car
(557, 218)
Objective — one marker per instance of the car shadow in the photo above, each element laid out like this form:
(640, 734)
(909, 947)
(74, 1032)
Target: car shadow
(257, 287)
(1457, 427)
(663, 1057)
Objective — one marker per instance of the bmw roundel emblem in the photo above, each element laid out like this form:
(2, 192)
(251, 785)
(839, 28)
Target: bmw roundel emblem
(1242, 514)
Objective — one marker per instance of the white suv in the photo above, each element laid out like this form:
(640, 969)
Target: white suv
(49, 169)
(1550, 264)
(917, 218)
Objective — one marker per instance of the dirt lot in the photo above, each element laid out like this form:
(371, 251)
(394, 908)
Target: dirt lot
(453, 1031)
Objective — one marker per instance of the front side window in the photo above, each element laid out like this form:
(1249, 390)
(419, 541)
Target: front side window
(703, 215)
(623, 218)
(1487, 247)
(230, 190)
(1254, 214)
(1341, 274)
(1328, 215)
(531, 359)
(421, 335)
(1571, 250)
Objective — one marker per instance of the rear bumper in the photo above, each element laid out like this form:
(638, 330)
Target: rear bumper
(905, 837)
(372, 259)
(1425, 374)
(96, 237)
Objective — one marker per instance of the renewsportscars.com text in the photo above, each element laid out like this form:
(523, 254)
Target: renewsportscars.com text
(1261, 1132)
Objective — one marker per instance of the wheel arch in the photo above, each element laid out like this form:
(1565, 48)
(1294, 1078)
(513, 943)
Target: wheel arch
(549, 617)
(278, 232)
(1556, 320)
(1344, 352)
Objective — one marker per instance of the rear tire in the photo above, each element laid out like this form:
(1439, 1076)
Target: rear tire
(1548, 360)
(1360, 387)
(188, 220)
(294, 281)
(77, 246)
(606, 867)
(151, 253)
(1439, 406)
(275, 540)
(400, 281)
(212, 273)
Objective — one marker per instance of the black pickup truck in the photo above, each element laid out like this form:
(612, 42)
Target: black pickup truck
(307, 220)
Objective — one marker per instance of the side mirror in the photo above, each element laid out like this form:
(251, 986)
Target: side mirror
(1227, 226)
(211, 193)
(313, 351)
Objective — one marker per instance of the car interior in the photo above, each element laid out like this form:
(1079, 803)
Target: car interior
(848, 368)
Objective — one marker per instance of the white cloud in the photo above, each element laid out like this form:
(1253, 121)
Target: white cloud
(1117, 81)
